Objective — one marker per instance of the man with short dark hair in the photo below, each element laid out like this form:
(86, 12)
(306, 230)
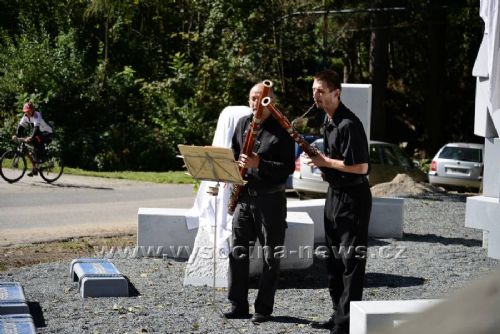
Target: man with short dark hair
(345, 165)
(261, 210)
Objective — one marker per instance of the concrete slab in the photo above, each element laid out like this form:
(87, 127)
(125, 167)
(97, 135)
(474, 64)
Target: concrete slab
(491, 180)
(18, 324)
(165, 230)
(98, 278)
(358, 98)
(369, 316)
(12, 299)
(315, 208)
(483, 122)
(386, 220)
(483, 213)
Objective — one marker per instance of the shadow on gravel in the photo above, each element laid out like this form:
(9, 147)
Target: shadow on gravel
(379, 280)
(377, 242)
(132, 291)
(315, 277)
(441, 240)
(37, 314)
(68, 185)
(290, 320)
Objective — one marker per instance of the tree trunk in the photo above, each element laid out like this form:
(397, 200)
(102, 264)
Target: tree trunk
(379, 63)
(434, 97)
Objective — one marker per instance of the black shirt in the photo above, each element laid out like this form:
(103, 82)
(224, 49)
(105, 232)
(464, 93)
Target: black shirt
(344, 139)
(276, 150)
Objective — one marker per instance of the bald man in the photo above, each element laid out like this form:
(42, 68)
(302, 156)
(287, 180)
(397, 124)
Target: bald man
(260, 212)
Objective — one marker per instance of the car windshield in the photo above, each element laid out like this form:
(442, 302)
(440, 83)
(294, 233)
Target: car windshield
(389, 155)
(462, 154)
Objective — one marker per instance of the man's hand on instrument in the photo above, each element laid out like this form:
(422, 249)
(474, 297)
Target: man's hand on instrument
(252, 161)
(316, 161)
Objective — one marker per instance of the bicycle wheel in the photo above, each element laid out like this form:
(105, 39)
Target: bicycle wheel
(12, 166)
(51, 169)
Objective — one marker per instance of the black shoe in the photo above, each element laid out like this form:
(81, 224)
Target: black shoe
(338, 330)
(328, 324)
(258, 318)
(33, 173)
(237, 314)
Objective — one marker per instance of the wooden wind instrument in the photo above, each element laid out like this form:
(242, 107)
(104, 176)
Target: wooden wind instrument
(249, 143)
(285, 123)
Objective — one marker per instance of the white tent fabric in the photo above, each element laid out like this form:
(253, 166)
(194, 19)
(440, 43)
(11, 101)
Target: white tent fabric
(487, 65)
(203, 211)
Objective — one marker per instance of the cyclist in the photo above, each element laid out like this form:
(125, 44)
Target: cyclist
(41, 135)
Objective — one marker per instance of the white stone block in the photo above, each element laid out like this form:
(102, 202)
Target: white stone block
(386, 220)
(369, 316)
(98, 278)
(12, 299)
(166, 231)
(494, 244)
(483, 213)
(315, 208)
(17, 324)
(483, 123)
(358, 98)
(491, 180)
(298, 250)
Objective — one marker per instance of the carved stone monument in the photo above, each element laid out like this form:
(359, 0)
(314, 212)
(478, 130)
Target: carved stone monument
(484, 211)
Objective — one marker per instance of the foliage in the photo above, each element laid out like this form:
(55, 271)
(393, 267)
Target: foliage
(125, 82)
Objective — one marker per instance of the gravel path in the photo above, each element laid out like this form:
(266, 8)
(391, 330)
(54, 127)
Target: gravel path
(437, 256)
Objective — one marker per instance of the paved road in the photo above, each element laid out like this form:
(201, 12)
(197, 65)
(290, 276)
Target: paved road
(32, 210)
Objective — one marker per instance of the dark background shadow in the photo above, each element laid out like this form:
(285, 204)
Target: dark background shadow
(57, 184)
(37, 314)
(441, 240)
(132, 291)
(315, 277)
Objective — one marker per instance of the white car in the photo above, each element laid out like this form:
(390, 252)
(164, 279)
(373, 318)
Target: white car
(386, 161)
(458, 164)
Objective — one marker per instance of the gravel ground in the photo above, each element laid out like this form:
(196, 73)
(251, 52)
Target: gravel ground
(437, 256)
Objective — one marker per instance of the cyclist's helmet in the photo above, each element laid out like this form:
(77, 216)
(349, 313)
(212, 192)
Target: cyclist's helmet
(28, 108)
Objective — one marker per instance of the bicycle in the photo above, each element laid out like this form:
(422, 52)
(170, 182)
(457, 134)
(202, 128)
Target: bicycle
(13, 163)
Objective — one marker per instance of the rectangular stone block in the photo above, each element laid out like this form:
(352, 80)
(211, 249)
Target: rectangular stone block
(387, 217)
(358, 98)
(12, 299)
(17, 324)
(369, 316)
(315, 209)
(386, 220)
(98, 278)
(483, 123)
(298, 250)
(491, 176)
(166, 231)
(483, 213)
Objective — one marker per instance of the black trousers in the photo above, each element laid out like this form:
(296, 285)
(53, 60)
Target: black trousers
(262, 217)
(347, 214)
(39, 152)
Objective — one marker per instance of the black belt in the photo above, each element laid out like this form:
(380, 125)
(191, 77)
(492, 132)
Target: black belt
(265, 191)
(352, 181)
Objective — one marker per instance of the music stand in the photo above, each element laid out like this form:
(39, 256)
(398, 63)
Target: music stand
(211, 163)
